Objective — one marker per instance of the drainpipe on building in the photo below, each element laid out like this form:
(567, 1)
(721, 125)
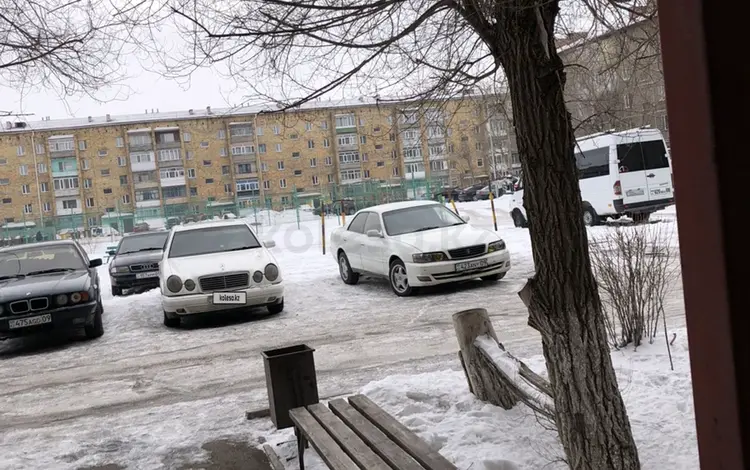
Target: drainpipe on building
(36, 176)
(258, 162)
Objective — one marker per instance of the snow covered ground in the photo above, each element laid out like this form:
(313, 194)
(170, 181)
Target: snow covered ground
(146, 397)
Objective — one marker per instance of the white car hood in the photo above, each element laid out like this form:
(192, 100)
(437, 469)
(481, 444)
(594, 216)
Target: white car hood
(447, 238)
(192, 267)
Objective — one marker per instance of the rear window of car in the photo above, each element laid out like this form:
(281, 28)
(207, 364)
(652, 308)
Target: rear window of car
(209, 240)
(133, 244)
(639, 156)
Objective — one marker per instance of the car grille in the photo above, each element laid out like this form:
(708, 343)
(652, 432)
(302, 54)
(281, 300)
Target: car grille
(467, 252)
(23, 306)
(136, 268)
(229, 281)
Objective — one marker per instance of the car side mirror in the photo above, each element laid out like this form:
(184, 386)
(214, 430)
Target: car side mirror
(269, 243)
(374, 234)
(95, 262)
(466, 218)
(111, 252)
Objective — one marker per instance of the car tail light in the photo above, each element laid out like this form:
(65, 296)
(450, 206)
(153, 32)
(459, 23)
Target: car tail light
(618, 188)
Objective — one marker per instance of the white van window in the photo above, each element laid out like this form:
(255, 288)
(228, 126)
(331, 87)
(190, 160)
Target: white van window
(593, 163)
(639, 156)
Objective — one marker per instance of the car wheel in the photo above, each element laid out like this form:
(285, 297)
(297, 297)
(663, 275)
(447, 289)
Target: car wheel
(277, 308)
(171, 322)
(493, 277)
(96, 328)
(590, 218)
(641, 217)
(518, 219)
(345, 269)
(399, 279)
(116, 291)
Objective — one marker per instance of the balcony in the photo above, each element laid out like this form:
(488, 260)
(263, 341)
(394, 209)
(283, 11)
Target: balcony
(240, 132)
(148, 165)
(348, 146)
(60, 208)
(350, 165)
(148, 203)
(67, 173)
(351, 181)
(167, 137)
(147, 184)
(345, 124)
(173, 181)
(245, 174)
(176, 200)
(417, 175)
(413, 158)
(438, 173)
(244, 158)
(62, 153)
(67, 192)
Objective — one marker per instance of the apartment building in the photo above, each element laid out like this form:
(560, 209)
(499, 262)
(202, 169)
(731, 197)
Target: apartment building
(157, 164)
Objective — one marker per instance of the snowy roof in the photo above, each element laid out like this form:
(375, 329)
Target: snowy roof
(145, 118)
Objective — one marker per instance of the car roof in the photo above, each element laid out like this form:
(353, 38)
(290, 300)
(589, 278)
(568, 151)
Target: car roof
(209, 224)
(392, 206)
(40, 245)
(143, 234)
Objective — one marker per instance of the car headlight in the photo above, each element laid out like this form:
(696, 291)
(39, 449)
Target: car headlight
(496, 246)
(257, 276)
(174, 284)
(119, 269)
(75, 297)
(190, 285)
(433, 257)
(271, 272)
(61, 299)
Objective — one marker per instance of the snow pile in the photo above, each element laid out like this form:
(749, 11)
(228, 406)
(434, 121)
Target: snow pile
(475, 435)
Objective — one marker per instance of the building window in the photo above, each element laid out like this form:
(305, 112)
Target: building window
(47, 207)
(315, 181)
(295, 155)
(227, 188)
(123, 180)
(297, 172)
(44, 187)
(121, 161)
(61, 145)
(193, 192)
(119, 142)
(308, 126)
(285, 200)
(189, 154)
(311, 144)
(264, 166)
(191, 173)
(73, 204)
(206, 162)
(204, 145)
(25, 189)
(169, 155)
(276, 130)
(278, 147)
(267, 184)
(187, 137)
(627, 100)
(330, 178)
(345, 120)
(243, 149)
(313, 162)
(105, 172)
(261, 148)
(28, 209)
(39, 149)
(362, 139)
(23, 170)
(349, 157)
(378, 146)
(326, 143)
(87, 183)
(395, 171)
(280, 165)
(379, 164)
(293, 136)
(282, 183)
(223, 152)
(365, 157)
(480, 162)
(3, 161)
(394, 154)
(81, 145)
(209, 181)
(392, 137)
(328, 161)
(366, 174)
(102, 153)
(478, 146)
(324, 124)
(172, 173)
(350, 175)
(125, 199)
(222, 134)
(107, 190)
(225, 170)
(41, 168)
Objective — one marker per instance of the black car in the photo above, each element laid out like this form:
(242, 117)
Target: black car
(135, 262)
(49, 286)
(448, 194)
(469, 194)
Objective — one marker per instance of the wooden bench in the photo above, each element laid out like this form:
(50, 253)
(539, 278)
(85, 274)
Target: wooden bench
(359, 435)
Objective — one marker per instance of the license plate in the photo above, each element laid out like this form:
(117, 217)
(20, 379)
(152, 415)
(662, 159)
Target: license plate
(469, 265)
(147, 275)
(230, 298)
(31, 321)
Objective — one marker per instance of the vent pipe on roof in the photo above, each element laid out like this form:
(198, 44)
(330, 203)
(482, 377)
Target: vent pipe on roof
(208, 109)
(91, 119)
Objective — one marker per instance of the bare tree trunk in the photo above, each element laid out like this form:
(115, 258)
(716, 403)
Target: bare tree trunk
(562, 297)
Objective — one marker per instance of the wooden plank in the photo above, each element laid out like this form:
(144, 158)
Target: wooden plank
(388, 450)
(328, 450)
(401, 435)
(347, 439)
(273, 458)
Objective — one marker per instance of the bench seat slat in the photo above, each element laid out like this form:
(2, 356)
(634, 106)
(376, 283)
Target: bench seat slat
(328, 450)
(401, 435)
(388, 450)
(347, 439)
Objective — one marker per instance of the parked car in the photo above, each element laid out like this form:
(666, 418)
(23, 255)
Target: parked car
(217, 265)
(448, 193)
(483, 194)
(49, 286)
(172, 221)
(141, 227)
(469, 194)
(415, 244)
(135, 261)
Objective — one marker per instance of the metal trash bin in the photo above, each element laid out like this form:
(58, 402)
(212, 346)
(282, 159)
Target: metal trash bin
(291, 381)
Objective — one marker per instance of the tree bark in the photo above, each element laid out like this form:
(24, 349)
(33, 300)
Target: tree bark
(562, 297)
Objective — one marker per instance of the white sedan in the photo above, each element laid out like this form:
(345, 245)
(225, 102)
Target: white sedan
(415, 244)
(221, 265)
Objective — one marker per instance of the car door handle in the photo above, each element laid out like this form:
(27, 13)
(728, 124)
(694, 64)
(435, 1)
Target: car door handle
(650, 175)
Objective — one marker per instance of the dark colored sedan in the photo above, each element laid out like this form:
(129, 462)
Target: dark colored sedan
(135, 262)
(469, 194)
(49, 286)
(448, 194)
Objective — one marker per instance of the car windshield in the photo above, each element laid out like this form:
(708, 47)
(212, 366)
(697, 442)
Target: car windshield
(419, 219)
(208, 240)
(32, 260)
(135, 244)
